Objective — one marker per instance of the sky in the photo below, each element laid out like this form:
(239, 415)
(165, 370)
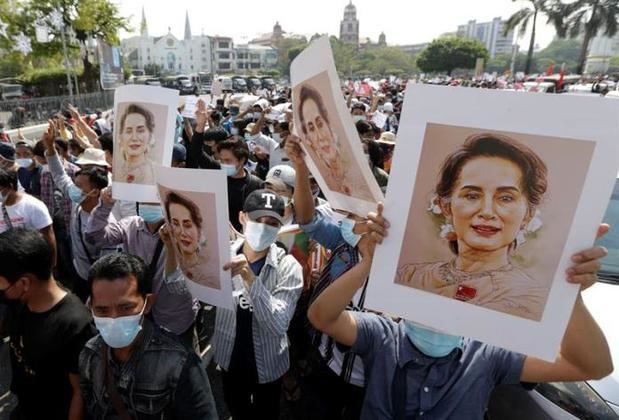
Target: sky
(403, 21)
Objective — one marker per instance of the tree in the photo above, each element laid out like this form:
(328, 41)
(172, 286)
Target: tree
(561, 51)
(522, 18)
(587, 18)
(450, 53)
(285, 45)
(153, 69)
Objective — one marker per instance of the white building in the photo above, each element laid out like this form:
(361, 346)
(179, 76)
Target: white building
(490, 34)
(211, 54)
(601, 50)
(349, 26)
(188, 55)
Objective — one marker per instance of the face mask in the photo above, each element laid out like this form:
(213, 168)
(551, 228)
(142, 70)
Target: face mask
(230, 170)
(257, 115)
(76, 195)
(381, 108)
(271, 129)
(247, 137)
(277, 137)
(234, 131)
(260, 236)
(286, 200)
(119, 332)
(431, 343)
(151, 214)
(346, 228)
(357, 118)
(24, 163)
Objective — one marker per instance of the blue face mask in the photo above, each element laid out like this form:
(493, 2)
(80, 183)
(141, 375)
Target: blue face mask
(260, 236)
(76, 195)
(346, 228)
(24, 163)
(230, 170)
(151, 214)
(119, 332)
(431, 343)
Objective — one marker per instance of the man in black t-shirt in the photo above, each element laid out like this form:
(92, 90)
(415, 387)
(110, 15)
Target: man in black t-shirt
(47, 326)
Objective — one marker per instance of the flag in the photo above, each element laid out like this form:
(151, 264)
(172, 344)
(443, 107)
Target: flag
(561, 76)
(551, 70)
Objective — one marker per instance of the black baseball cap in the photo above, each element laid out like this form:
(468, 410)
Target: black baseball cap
(7, 151)
(262, 203)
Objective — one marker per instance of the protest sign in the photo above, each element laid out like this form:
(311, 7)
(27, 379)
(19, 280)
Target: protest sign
(483, 226)
(144, 126)
(334, 152)
(111, 66)
(195, 205)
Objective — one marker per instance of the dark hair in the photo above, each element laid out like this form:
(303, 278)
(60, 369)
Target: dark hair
(358, 105)
(39, 149)
(23, 144)
(107, 142)
(534, 172)
(237, 147)
(194, 211)
(284, 126)
(363, 127)
(63, 144)
(96, 176)
(120, 265)
(74, 144)
(377, 156)
(8, 178)
(25, 251)
(310, 94)
(215, 134)
(137, 109)
(215, 115)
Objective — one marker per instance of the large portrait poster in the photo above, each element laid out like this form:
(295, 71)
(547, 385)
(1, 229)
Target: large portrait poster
(333, 149)
(111, 66)
(489, 196)
(144, 125)
(195, 205)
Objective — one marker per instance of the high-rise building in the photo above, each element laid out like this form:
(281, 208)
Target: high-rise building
(349, 27)
(490, 34)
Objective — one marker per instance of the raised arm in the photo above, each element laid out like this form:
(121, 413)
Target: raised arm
(303, 199)
(62, 181)
(584, 350)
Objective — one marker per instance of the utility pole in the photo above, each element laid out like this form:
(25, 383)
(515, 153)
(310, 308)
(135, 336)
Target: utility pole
(66, 62)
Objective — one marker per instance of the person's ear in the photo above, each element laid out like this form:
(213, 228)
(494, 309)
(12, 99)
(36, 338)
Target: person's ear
(242, 218)
(150, 298)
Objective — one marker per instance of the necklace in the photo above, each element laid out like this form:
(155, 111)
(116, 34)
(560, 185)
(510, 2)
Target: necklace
(451, 275)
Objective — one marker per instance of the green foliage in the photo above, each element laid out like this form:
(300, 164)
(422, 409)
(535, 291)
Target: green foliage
(283, 49)
(450, 53)
(272, 73)
(151, 69)
(49, 81)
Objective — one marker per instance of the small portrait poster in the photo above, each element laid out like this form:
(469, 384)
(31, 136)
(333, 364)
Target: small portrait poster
(111, 66)
(333, 149)
(144, 126)
(195, 205)
(489, 196)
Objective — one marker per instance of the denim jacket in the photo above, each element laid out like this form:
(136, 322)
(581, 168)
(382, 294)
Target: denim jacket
(161, 380)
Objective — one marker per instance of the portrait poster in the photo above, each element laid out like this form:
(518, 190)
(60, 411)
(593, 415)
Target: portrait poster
(489, 197)
(191, 104)
(111, 66)
(195, 205)
(333, 149)
(144, 127)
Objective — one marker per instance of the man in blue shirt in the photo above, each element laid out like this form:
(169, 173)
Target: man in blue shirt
(414, 372)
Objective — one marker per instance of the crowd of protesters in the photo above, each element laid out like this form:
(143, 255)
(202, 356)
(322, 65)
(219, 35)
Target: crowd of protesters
(101, 324)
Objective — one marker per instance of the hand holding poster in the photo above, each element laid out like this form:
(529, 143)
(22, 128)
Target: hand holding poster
(144, 125)
(195, 207)
(486, 238)
(332, 146)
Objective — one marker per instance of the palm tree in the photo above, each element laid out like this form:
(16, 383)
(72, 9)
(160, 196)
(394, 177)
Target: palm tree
(522, 18)
(587, 18)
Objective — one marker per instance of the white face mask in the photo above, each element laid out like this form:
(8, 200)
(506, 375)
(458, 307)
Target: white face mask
(277, 137)
(357, 118)
(260, 236)
(234, 131)
(257, 115)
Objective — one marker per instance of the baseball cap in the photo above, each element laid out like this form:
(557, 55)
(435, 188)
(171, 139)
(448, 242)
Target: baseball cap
(388, 107)
(262, 203)
(282, 173)
(7, 151)
(179, 153)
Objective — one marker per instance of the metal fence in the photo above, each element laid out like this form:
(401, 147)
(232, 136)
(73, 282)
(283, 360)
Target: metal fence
(24, 112)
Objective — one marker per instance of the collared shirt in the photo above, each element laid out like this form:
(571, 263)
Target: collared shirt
(173, 310)
(401, 378)
(273, 297)
(84, 253)
(57, 204)
(327, 233)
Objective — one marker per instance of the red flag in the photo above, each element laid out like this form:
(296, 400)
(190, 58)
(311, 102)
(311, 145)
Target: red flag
(551, 70)
(561, 75)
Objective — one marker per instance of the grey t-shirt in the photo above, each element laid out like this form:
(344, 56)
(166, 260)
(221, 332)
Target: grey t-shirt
(401, 378)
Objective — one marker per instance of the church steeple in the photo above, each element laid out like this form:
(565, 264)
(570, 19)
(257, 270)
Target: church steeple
(143, 25)
(187, 27)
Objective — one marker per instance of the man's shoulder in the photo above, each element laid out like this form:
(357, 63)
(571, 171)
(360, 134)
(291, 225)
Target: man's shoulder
(254, 182)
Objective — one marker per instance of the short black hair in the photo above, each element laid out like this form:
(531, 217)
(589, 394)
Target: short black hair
(215, 134)
(284, 126)
(62, 144)
(358, 105)
(25, 251)
(215, 115)
(119, 265)
(8, 178)
(237, 147)
(107, 142)
(96, 176)
(363, 127)
(39, 149)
